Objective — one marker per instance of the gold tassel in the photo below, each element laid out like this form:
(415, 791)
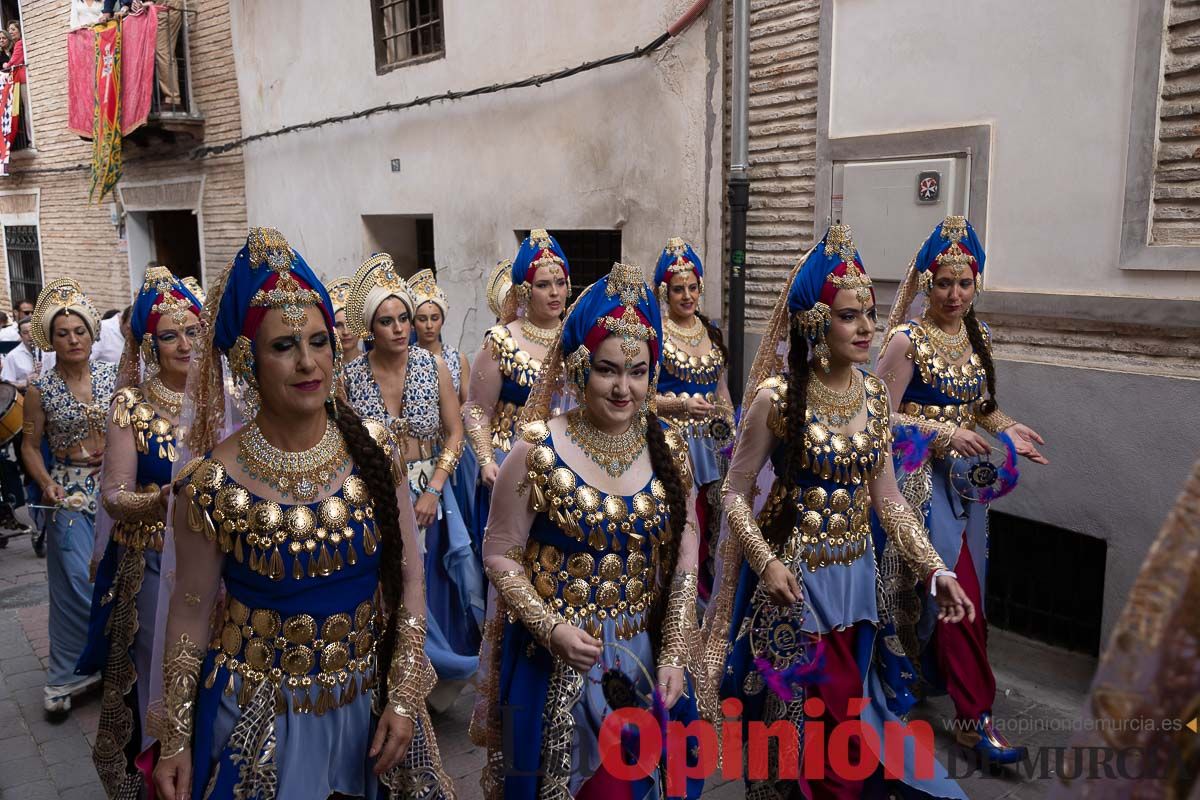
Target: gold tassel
(297, 571)
(254, 559)
(337, 560)
(598, 541)
(229, 686)
(276, 565)
(369, 542)
(312, 565)
(238, 551)
(351, 556)
(212, 677)
(244, 693)
(323, 565)
(351, 690)
(280, 700)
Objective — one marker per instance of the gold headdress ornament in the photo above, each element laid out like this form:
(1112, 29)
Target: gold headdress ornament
(424, 289)
(540, 238)
(62, 294)
(268, 246)
(375, 281)
(339, 292)
(954, 230)
(676, 247)
(498, 284)
(161, 281)
(194, 287)
(517, 297)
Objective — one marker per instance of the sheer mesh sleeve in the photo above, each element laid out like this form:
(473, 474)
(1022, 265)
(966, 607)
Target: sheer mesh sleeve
(755, 443)
(482, 396)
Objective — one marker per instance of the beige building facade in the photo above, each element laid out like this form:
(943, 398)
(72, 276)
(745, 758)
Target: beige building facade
(1066, 131)
(613, 161)
(188, 214)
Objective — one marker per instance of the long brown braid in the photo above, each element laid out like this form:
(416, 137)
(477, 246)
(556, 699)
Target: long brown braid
(715, 336)
(780, 514)
(981, 348)
(375, 467)
(662, 462)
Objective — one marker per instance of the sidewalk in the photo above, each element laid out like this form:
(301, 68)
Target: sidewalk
(1037, 685)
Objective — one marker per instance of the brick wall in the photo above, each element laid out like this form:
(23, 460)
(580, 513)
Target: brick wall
(1177, 172)
(782, 144)
(78, 239)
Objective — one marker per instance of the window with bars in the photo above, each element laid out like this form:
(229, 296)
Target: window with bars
(590, 254)
(1030, 593)
(24, 260)
(405, 31)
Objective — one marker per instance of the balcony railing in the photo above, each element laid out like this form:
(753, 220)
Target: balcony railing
(173, 112)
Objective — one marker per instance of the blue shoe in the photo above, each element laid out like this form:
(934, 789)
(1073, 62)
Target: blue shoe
(983, 739)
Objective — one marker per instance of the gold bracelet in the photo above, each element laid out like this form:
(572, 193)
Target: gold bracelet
(996, 422)
(410, 677)
(745, 530)
(481, 442)
(679, 635)
(181, 675)
(448, 459)
(524, 603)
(905, 528)
(942, 431)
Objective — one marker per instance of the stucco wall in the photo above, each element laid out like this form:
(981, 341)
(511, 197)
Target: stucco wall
(1054, 81)
(622, 147)
(1119, 449)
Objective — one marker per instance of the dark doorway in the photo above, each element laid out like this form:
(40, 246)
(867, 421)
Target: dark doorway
(590, 253)
(176, 240)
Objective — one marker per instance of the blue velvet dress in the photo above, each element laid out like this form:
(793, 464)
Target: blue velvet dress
(594, 558)
(121, 632)
(70, 530)
(284, 707)
(519, 371)
(454, 584)
(832, 555)
(939, 392)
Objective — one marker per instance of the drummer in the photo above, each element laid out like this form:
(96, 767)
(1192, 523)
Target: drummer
(19, 364)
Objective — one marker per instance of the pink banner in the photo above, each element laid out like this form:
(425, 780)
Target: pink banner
(138, 35)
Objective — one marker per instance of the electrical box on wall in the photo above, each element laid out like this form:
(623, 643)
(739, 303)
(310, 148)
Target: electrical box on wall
(893, 205)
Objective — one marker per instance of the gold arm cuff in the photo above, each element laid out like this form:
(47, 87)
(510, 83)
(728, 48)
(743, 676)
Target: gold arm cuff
(905, 528)
(942, 431)
(996, 422)
(134, 506)
(680, 632)
(741, 522)
(410, 677)
(448, 459)
(523, 602)
(181, 674)
(481, 442)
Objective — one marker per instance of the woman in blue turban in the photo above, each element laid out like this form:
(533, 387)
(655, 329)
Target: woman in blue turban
(794, 616)
(142, 447)
(591, 552)
(315, 680)
(510, 360)
(693, 394)
(942, 380)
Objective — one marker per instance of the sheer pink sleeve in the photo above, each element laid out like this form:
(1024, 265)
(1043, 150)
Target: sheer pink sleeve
(756, 441)
(482, 396)
(511, 516)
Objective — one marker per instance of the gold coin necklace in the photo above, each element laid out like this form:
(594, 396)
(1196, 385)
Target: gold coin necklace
(302, 474)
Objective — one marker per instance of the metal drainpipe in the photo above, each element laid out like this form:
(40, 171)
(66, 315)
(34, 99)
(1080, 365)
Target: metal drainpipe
(739, 197)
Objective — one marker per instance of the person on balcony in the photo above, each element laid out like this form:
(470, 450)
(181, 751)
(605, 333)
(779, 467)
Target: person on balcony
(85, 13)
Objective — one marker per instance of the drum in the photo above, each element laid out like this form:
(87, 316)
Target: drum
(12, 412)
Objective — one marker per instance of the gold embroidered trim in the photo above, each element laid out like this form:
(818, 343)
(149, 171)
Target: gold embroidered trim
(745, 531)
(132, 409)
(410, 677)
(996, 422)
(515, 364)
(524, 604)
(705, 369)
(480, 439)
(141, 520)
(961, 381)
(912, 540)
(680, 631)
(181, 676)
